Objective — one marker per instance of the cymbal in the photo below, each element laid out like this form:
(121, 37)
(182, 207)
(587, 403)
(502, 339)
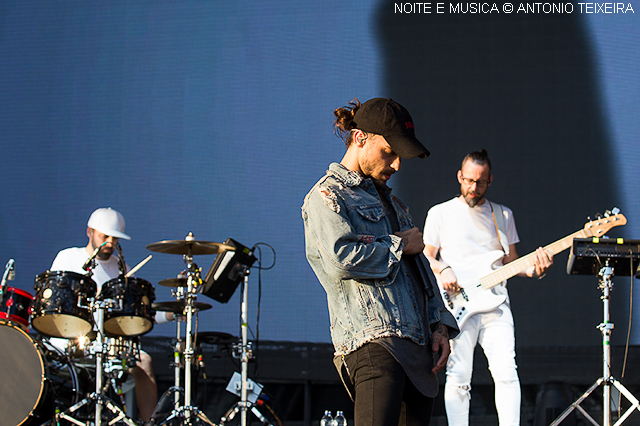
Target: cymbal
(173, 282)
(215, 337)
(189, 246)
(177, 306)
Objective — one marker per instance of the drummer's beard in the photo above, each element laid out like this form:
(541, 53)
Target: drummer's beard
(105, 252)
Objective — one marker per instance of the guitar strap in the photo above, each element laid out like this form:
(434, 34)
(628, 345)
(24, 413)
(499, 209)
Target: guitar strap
(500, 226)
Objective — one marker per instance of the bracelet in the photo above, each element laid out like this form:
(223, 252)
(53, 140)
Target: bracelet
(442, 270)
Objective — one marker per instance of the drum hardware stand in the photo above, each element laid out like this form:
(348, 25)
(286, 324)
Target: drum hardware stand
(186, 411)
(245, 352)
(98, 398)
(606, 380)
(178, 350)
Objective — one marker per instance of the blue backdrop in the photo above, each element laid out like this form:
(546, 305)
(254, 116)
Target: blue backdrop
(216, 118)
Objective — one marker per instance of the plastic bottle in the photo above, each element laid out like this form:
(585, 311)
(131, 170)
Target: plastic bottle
(327, 419)
(339, 420)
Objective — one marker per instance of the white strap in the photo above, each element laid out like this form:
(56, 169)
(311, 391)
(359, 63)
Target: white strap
(498, 219)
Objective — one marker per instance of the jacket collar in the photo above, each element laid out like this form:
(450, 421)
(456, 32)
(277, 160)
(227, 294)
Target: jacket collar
(348, 177)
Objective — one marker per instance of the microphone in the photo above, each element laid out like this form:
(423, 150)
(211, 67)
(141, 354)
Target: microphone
(85, 267)
(10, 270)
(9, 274)
(121, 263)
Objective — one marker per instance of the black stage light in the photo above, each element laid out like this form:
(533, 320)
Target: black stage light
(227, 271)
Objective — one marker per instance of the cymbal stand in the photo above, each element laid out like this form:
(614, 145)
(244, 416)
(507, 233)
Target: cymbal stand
(187, 410)
(606, 380)
(178, 349)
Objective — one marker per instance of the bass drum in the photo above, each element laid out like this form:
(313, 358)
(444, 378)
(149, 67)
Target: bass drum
(35, 381)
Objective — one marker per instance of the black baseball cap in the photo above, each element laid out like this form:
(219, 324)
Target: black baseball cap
(388, 118)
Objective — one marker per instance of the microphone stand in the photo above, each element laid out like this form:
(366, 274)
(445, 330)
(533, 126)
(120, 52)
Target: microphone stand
(8, 273)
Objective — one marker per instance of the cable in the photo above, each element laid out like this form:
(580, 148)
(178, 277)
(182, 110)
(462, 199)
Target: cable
(258, 249)
(629, 324)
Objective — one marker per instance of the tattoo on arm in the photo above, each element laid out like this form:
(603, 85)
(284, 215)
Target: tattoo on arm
(442, 332)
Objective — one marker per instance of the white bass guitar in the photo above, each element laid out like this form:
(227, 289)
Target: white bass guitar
(475, 295)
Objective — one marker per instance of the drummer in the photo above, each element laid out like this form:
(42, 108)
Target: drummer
(106, 225)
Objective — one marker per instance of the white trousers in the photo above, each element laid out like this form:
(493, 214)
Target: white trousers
(494, 331)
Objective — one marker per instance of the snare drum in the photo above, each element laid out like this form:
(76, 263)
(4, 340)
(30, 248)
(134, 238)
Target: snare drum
(16, 306)
(132, 315)
(62, 304)
(36, 381)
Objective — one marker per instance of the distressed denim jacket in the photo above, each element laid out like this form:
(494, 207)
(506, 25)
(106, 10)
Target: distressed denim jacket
(356, 257)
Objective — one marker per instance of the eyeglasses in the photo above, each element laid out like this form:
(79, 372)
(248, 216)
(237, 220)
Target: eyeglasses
(481, 183)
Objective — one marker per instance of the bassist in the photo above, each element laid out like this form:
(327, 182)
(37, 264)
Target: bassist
(460, 235)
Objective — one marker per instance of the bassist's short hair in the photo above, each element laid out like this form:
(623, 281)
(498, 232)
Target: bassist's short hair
(479, 157)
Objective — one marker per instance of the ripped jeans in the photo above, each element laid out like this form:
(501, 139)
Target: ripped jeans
(494, 331)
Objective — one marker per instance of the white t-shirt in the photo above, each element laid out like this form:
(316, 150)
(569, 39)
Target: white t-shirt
(466, 237)
(73, 258)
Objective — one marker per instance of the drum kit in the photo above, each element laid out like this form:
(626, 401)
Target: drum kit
(46, 384)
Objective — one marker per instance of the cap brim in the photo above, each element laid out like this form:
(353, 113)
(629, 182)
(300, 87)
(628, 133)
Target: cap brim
(119, 235)
(407, 147)
(113, 233)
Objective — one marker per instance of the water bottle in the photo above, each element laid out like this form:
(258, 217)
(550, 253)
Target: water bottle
(327, 419)
(339, 420)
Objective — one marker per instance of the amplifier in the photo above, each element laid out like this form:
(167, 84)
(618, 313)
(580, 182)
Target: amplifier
(589, 255)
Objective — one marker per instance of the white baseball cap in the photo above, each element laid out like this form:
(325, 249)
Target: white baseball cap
(108, 221)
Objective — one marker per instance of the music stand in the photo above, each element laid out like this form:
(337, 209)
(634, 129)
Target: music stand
(226, 273)
(601, 256)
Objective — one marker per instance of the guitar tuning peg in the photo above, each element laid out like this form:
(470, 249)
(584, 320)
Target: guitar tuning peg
(588, 218)
(615, 210)
(598, 216)
(607, 213)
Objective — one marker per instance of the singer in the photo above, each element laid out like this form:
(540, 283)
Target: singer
(386, 322)
(104, 229)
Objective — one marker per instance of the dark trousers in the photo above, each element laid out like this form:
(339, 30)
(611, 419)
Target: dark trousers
(384, 395)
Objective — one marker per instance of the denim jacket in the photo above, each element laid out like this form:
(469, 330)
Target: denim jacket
(357, 259)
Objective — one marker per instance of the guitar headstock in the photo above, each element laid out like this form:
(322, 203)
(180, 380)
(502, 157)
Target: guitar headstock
(600, 226)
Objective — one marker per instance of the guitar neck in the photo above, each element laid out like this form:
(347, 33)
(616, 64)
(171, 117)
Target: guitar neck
(513, 268)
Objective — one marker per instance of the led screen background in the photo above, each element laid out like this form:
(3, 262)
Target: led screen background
(216, 118)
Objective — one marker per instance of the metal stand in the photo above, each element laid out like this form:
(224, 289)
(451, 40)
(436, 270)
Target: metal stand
(245, 353)
(186, 411)
(606, 380)
(98, 398)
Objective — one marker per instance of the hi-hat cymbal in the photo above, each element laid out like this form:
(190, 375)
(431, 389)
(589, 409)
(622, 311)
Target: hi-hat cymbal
(189, 246)
(174, 282)
(177, 306)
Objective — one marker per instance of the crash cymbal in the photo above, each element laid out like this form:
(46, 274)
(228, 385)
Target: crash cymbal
(177, 306)
(215, 337)
(173, 282)
(189, 246)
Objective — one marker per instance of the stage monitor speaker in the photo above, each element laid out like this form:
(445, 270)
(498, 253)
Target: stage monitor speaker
(227, 271)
